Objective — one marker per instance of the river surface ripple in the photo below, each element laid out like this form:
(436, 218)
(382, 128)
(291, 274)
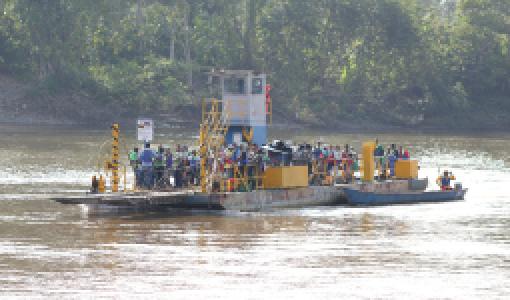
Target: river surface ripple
(458, 250)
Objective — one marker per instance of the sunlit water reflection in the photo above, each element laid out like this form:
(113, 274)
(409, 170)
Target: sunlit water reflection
(456, 250)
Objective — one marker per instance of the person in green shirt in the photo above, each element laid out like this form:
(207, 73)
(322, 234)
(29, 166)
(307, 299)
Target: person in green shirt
(159, 166)
(379, 158)
(133, 157)
(134, 162)
(355, 165)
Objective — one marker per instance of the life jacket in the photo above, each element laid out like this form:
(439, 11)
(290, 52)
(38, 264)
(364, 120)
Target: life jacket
(445, 181)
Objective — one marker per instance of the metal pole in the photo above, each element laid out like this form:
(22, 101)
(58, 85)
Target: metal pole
(125, 179)
(115, 157)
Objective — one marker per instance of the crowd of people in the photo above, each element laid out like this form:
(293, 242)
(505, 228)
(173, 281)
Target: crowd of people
(163, 168)
(157, 168)
(243, 166)
(385, 159)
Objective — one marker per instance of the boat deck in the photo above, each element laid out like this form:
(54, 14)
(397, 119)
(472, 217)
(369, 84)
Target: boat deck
(255, 200)
(128, 199)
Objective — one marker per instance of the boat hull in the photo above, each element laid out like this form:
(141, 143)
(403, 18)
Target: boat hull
(241, 201)
(357, 197)
(269, 199)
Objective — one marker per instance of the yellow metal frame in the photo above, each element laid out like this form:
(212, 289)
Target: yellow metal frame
(248, 136)
(112, 164)
(216, 114)
(213, 130)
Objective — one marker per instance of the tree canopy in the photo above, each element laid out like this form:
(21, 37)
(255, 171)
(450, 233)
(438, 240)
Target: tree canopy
(404, 62)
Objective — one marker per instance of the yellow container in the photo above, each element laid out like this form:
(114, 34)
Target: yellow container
(101, 185)
(285, 177)
(406, 169)
(368, 161)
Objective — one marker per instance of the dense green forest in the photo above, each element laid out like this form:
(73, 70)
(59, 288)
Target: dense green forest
(405, 62)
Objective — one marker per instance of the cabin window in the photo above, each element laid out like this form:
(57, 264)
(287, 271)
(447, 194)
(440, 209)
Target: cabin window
(256, 86)
(235, 86)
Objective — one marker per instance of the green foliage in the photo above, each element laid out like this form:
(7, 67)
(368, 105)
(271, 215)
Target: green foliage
(396, 61)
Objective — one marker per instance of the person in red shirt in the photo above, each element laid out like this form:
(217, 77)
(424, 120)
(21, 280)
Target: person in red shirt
(406, 154)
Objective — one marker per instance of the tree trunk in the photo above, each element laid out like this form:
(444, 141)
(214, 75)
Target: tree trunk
(139, 15)
(187, 27)
(172, 41)
(139, 24)
(249, 35)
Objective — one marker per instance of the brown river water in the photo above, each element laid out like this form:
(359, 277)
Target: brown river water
(458, 250)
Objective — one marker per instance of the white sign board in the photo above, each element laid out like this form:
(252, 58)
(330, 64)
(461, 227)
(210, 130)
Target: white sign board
(145, 130)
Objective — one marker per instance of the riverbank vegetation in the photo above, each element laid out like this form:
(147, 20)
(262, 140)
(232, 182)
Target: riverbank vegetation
(402, 62)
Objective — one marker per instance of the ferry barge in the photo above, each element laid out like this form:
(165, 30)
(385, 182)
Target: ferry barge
(241, 117)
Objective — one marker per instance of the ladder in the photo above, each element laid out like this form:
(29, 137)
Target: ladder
(213, 130)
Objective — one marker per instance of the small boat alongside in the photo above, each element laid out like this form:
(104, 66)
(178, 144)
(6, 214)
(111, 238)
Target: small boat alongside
(358, 196)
